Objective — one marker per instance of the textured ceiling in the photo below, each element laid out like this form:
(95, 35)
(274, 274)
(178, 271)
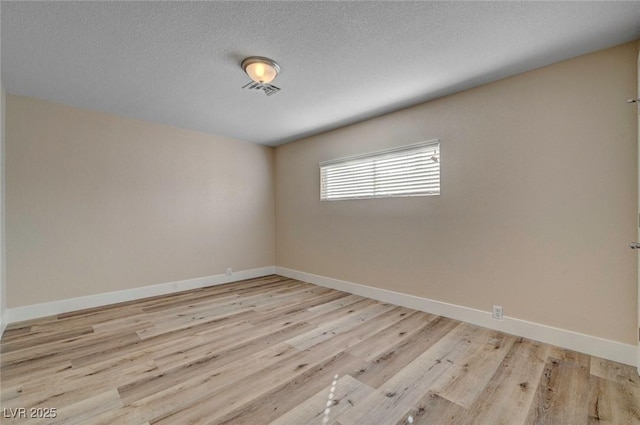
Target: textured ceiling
(178, 63)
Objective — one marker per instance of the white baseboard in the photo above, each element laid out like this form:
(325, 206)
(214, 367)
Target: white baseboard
(3, 323)
(18, 314)
(595, 346)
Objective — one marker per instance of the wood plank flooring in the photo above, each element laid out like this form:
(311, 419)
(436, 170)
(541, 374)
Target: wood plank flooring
(279, 351)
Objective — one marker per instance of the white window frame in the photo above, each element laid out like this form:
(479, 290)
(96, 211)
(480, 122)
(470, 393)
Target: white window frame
(379, 185)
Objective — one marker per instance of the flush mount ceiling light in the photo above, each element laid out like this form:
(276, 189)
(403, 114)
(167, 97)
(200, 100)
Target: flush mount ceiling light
(261, 70)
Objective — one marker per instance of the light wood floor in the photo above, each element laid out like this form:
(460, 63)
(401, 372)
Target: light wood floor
(278, 351)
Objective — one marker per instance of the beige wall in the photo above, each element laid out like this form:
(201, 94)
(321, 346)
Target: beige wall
(3, 268)
(98, 203)
(538, 203)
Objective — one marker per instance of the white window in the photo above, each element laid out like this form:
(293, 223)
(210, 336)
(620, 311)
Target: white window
(412, 170)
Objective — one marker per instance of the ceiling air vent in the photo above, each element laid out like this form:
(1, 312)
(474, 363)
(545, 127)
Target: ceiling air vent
(267, 88)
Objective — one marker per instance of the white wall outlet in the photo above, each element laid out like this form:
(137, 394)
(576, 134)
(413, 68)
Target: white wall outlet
(229, 271)
(497, 312)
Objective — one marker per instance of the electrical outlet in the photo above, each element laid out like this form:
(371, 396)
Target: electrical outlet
(497, 312)
(229, 271)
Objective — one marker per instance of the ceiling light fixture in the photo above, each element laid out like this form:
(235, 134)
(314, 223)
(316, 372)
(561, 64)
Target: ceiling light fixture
(261, 70)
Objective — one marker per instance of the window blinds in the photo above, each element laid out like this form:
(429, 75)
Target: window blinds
(412, 170)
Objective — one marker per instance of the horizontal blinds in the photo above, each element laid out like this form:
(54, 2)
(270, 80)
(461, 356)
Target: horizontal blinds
(408, 171)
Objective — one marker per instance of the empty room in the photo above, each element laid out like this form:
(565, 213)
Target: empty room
(319, 212)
